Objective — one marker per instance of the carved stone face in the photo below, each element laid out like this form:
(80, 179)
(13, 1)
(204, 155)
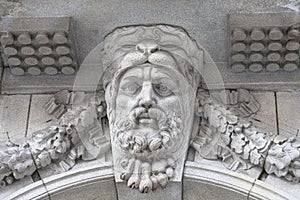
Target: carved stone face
(148, 110)
(151, 123)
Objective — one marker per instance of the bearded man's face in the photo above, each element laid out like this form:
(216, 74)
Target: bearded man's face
(148, 111)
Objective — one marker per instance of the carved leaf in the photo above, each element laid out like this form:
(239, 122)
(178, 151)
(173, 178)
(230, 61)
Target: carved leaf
(255, 157)
(291, 151)
(279, 158)
(238, 142)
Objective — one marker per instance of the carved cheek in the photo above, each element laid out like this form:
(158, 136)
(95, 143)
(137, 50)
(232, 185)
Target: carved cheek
(171, 103)
(122, 101)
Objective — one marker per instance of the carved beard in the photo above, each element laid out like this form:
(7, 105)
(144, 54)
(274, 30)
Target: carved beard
(142, 141)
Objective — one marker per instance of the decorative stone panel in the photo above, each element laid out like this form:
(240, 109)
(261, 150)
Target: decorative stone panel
(264, 42)
(35, 46)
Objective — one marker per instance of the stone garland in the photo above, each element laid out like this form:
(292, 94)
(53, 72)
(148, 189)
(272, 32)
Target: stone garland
(240, 143)
(225, 127)
(61, 144)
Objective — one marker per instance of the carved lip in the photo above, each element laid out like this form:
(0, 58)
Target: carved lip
(145, 120)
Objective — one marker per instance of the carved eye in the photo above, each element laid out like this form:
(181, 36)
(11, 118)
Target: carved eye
(162, 90)
(131, 88)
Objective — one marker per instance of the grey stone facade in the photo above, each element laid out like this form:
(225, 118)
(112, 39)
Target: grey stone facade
(229, 31)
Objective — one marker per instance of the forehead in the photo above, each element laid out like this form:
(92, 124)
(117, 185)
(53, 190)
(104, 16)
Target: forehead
(148, 71)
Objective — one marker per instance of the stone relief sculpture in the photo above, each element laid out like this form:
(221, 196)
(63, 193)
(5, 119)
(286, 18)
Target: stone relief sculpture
(151, 109)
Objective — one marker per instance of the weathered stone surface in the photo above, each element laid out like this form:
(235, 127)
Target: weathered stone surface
(288, 104)
(171, 192)
(12, 84)
(197, 190)
(5, 192)
(38, 117)
(90, 182)
(101, 191)
(265, 119)
(253, 172)
(56, 169)
(208, 182)
(274, 188)
(13, 116)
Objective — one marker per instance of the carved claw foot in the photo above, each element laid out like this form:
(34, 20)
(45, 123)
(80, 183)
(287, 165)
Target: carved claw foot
(134, 180)
(147, 176)
(128, 169)
(146, 183)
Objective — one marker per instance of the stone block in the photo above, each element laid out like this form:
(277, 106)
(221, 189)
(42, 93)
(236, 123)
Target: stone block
(55, 169)
(288, 105)
(38, 118)
(206, 181)
(196, 190)
(274, 188)
(96, 190)
(173, 191)
(254, 172)
(13, 116)
(87, 182)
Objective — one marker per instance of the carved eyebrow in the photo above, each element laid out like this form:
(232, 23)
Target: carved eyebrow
(163, 79)
(161, 76)
(135, 73)
(131, 78)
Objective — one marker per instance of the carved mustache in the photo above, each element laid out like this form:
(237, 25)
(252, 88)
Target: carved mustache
(158, 58)
(151, 113)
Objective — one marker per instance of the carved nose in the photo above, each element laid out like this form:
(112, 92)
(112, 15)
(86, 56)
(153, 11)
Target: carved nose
(146, 97)
(146, 103)
(147, 47)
